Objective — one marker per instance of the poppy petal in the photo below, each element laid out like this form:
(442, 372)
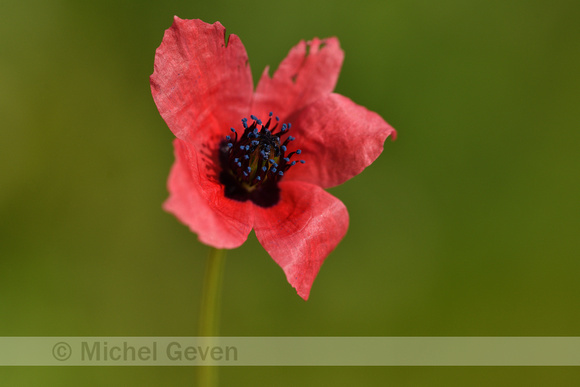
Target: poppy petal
(301, 230)
(338, 139)
(200, 86)
(199, 202)
(309, 72)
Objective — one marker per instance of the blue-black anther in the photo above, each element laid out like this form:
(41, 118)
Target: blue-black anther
(261, 147)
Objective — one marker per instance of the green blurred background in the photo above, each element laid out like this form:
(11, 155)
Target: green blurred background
(467, 225)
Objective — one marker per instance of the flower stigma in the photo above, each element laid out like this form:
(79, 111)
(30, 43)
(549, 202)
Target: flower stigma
(253, 163)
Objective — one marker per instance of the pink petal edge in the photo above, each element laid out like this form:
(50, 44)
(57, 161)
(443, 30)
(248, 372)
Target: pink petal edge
(200, 86)
(199, 202)
(309, 72)
(338, 139)
(301, 231)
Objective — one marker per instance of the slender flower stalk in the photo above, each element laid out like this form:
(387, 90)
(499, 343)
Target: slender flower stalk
(209, 312)
(211, 293)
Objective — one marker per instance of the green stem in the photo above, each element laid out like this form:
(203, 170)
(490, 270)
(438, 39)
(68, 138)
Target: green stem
(209, 313)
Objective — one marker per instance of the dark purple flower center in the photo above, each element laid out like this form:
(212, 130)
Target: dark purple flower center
(253, 163)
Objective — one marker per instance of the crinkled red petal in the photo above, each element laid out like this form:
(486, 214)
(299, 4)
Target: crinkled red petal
(197, 200)
(338, 139)
(200, 86)
(309, 72)
(301, 230)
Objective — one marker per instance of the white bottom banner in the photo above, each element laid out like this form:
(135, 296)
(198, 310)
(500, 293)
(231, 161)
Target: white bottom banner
(289, 351)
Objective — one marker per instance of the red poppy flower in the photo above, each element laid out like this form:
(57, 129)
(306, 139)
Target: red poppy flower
(261, 159)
